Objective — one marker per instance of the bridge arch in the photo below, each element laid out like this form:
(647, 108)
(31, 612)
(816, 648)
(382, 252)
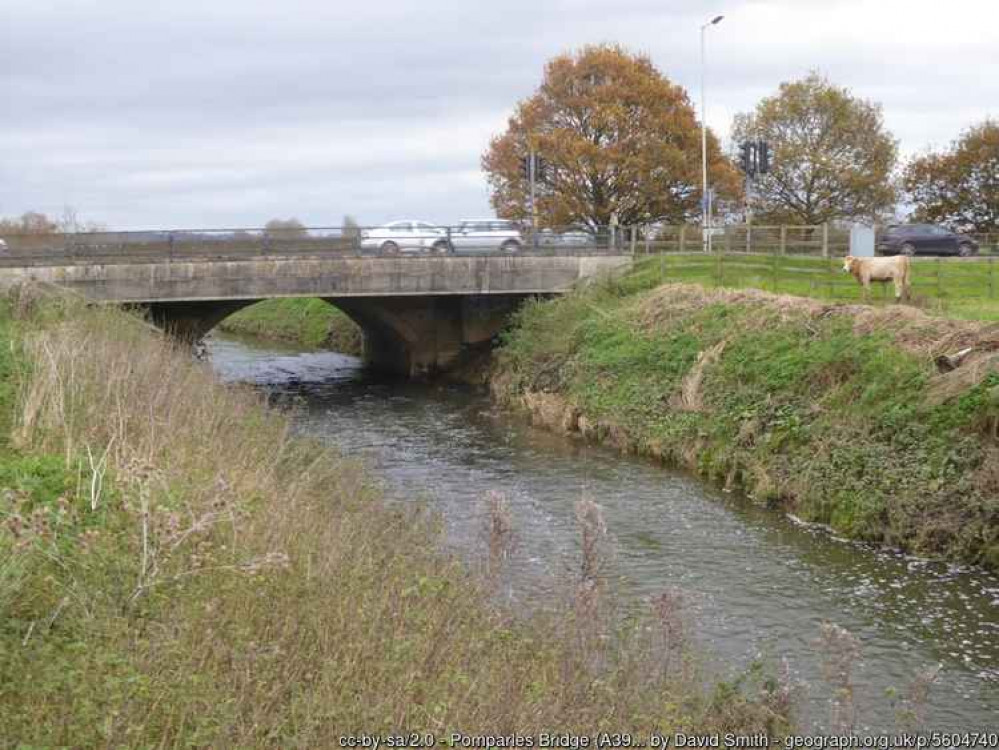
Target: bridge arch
(407, 335)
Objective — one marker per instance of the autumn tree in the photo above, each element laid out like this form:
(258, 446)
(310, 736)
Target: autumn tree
(832, 157)
(36, 224)
(29, 223)
(620, 140)
(285, 229)
(959, 187)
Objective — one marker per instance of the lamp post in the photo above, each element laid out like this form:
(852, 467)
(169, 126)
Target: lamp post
(705, 195)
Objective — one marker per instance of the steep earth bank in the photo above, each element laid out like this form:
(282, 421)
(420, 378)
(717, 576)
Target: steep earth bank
(846, 415)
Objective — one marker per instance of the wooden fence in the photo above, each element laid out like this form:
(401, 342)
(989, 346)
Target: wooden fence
(945, 279)
(821, 240)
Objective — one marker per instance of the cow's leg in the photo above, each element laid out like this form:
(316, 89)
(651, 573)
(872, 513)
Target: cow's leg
(898, 289)
(867, 290)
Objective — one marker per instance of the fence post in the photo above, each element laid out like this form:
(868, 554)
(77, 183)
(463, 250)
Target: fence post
(648, 250)
(683, 238)
(825, 240)
(783, 239)
(634, 239)
(939, 286)
(749, 237)
(992, 283)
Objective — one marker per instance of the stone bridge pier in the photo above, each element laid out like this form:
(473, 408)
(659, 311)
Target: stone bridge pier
(413, 336)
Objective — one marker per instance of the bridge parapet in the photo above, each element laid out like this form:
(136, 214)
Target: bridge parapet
(333, 276)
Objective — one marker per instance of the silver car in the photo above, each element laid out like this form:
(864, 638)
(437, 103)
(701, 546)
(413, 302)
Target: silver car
(407, 236)
(486, 235)
(571, 237)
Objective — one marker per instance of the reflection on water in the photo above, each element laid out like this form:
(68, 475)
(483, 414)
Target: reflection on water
(756, 582)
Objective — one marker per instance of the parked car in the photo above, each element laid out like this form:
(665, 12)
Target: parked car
(572, 237)
(3, 245)
(484, 235)
(924, 239)
(406, 236)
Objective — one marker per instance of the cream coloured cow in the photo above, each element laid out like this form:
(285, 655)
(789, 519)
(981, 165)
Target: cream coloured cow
(894, 268)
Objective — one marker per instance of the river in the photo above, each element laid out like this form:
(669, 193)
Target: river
(753, 582)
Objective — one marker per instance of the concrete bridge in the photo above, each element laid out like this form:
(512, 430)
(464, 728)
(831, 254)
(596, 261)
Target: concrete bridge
(420, 314)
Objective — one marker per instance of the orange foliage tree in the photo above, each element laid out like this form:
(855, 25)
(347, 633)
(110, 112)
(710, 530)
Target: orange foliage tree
(621, 140)
(959, 188)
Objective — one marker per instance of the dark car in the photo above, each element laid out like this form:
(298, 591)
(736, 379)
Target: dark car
(924, 239)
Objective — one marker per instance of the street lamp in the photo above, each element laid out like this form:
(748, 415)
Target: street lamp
(705, 195)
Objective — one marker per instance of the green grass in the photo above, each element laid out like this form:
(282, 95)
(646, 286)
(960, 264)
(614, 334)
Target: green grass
(967, 289)
(799, 409)
(216, 582)
(308, 322)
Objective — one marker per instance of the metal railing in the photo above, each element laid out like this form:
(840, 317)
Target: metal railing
(243, 243)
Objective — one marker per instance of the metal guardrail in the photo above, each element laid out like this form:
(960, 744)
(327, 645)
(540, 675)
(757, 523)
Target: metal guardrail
(241, 244)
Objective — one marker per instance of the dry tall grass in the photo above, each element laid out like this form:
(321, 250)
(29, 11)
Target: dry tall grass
(219, 583)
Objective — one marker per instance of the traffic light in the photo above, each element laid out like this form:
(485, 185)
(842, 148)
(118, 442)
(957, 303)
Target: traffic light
(746, 157)
(762, 156)
(525, 167)
(543, 171)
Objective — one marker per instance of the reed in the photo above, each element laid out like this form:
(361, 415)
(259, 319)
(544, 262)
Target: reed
(176, 569)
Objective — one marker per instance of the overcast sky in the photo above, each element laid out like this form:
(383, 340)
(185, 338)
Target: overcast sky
(214, 113)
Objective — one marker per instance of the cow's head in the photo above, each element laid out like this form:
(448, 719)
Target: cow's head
(848, 263)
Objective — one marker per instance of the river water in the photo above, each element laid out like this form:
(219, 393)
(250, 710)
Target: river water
(753, 582)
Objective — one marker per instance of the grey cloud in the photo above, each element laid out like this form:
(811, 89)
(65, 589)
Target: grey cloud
(192, 113)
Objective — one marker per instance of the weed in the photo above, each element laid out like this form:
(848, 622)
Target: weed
(840, 651)
(177, 570)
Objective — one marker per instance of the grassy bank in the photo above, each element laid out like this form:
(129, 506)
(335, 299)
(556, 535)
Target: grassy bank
(834, 412)
(306, 322)
(176, 570)
(960, 288)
